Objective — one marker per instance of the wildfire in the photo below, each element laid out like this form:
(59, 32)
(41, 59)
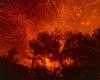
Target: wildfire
(47, 63)
(45, 15)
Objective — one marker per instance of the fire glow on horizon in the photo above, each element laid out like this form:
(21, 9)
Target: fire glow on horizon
(45, 15)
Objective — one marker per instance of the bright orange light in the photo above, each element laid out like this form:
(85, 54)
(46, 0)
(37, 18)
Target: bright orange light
(66, 15)
(51, 65)
(68, 61)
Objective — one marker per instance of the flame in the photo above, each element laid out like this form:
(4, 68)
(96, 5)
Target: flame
(48, 63)
(68, 61)
(62, 42)
(67, 15)
(51, 65)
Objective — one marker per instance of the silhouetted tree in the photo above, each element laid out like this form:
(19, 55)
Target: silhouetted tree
(80, 47)
(96, 56)
(45, 44)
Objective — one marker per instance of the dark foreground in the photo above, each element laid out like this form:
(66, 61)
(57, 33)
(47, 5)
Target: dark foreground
(12, 71)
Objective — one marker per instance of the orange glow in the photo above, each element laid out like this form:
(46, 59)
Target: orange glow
(24, 25)
(25, 62)
(62, 42)
(50, 65)
(68, 61)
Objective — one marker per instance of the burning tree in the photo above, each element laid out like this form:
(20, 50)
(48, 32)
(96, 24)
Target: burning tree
(46, 45)
(78, 49)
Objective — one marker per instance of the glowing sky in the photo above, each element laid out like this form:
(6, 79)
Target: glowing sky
(21, 20)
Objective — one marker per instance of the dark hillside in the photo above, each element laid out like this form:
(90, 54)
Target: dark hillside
(11, 71)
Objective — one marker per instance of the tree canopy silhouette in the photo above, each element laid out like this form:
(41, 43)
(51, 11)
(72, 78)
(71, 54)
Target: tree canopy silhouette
(82, 48)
